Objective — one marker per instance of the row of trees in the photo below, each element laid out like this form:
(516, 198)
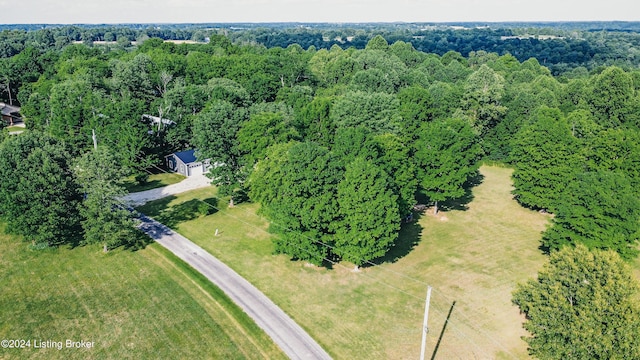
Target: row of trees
(53, 199)
(335, 144)
(423, 119)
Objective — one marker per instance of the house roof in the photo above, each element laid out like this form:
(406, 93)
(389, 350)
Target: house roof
(155, 119)
(186, 157)
(8, 109)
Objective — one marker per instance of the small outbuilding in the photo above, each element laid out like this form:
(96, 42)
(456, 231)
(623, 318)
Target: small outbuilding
(186, 163)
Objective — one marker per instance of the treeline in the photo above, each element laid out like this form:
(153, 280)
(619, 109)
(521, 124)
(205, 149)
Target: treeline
(16, 39)
(337, 144)
(560, 50)
(561, 47)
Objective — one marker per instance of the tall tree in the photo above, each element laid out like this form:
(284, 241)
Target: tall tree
(583, 305)
(482, 101)
(74, 107)
(38, 197)
(215, 133)
(106, 220)
(447, 154)
(261, 131)
(395, 160)
(416, 108)
(134, 77)
(370, 220)
(546, 159)
(600, 210)
(297, 186)
(314, 122)
(611, 96)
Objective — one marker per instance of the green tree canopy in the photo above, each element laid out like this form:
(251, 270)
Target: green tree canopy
(600, 210)
(297, 186)
(611, 96)
(38, 197)
(396, 160)
(261, 131)
(583, 305)
(375, 111)
(106, 220)
(546, 159)
(482, 100)
(447, 154)
(215, 136)
(416, 108)
(370, 220)
(314, 121)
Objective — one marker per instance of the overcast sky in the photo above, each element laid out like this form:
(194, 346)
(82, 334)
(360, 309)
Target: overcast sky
(180, 11)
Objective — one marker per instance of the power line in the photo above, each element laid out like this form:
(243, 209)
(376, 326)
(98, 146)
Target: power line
(373, 265)
(454, 327)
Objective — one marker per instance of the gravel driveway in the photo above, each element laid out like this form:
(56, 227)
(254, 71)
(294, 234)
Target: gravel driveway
(190, 183)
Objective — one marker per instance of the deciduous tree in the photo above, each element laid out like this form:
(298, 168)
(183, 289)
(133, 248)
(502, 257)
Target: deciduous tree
(447, 154)
(38, 197)
(600, 210)
(106, 220)
(583, 305)
(297, 187)
(546, 159)
(215, 136)
(370, 220)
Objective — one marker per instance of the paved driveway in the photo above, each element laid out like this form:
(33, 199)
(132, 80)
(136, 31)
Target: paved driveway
(192, 182)
(288, 335)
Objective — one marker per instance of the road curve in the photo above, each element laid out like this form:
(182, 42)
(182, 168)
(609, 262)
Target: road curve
(288, 335)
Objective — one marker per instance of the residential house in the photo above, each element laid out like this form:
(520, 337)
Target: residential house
(186, 163)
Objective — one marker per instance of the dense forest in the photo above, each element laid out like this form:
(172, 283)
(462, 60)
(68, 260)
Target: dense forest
(562, 47)
(337, 140)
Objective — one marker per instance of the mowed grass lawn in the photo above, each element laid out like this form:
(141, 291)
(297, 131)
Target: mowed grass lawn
(473, 256)
(133, 305)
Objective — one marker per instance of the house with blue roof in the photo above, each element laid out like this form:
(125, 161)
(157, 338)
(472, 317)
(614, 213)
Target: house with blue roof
(186, 163)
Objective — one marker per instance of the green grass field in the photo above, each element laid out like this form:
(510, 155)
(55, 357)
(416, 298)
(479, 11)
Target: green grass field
(132, 305)
(472, 256)
(154, 181)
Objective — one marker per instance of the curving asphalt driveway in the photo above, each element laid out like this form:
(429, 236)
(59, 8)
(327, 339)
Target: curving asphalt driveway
(191, 183)
(288, 335)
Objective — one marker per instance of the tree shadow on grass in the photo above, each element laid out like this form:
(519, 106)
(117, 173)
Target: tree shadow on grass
(462, 203)
(409, 236)
(173, 215)
(156, 207)
(212, 204)
(138, 241)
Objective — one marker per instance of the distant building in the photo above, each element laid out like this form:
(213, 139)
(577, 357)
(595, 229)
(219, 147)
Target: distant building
(10, 113)
(156, 120)
(186, 163)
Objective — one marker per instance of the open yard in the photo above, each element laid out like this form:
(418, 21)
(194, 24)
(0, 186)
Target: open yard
(138, 305)
(472, 255)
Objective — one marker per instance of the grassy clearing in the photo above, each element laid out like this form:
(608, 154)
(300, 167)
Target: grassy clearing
(143, 305)
(154, 181)
(473, 257)
(14, 128)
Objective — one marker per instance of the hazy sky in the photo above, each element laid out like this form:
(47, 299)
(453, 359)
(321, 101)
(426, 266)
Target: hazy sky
(146, 11)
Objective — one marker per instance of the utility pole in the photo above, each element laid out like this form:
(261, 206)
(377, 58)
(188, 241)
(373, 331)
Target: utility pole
(425, 327)
(95, 139)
